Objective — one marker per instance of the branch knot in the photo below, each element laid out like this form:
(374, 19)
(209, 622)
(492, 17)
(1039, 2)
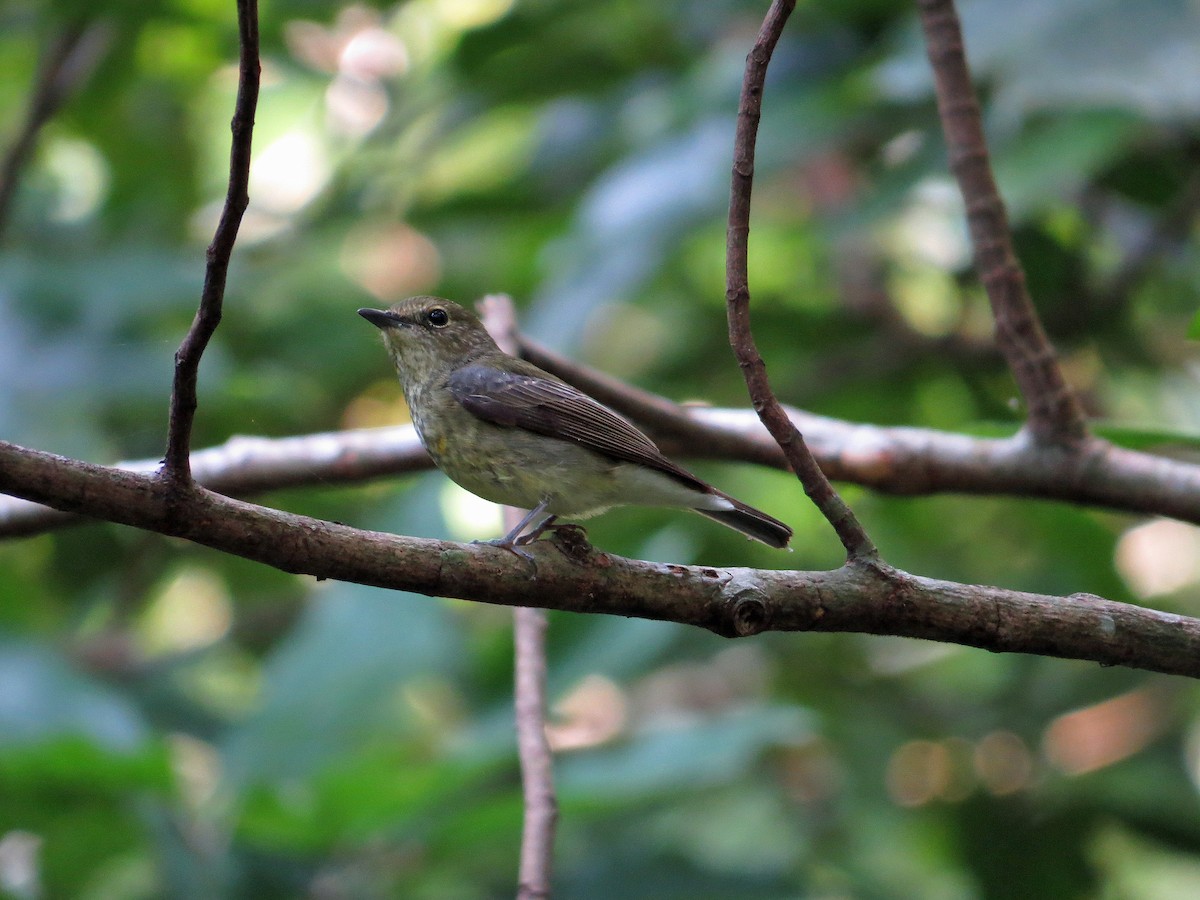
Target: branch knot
(750, 612)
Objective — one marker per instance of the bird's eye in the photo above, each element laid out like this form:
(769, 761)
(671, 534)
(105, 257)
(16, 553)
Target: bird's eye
(437, 317)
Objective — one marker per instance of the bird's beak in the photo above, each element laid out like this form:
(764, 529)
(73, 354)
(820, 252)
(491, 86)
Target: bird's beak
(381, 318)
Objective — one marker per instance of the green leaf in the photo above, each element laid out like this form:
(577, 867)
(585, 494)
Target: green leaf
(667, 758)
(337, 680)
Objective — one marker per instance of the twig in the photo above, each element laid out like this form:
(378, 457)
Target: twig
(1055, 415)
(737, 297)
(529, 685)
(176, 470)
(68, 63)
(731, 602)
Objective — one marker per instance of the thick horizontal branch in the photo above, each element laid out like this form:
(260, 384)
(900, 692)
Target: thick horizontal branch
(244, 466)
(568, 574)
(918, 461)
(901, 460)
(908, 461)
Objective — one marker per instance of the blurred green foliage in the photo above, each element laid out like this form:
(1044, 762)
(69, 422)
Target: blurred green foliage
(178, 723)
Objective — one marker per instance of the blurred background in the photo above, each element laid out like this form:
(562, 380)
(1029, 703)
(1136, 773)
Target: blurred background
(179, 723)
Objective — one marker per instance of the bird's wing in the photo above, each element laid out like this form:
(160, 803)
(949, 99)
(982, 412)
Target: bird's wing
(554, 408)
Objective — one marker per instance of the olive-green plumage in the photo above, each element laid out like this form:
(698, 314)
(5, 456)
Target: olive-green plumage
(514, 434)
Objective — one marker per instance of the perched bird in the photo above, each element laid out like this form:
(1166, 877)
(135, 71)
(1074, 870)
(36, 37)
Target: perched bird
(514, 434)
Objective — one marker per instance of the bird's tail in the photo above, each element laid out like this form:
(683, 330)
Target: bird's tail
(750, 522)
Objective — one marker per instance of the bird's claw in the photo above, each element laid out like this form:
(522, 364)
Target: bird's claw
(513, 547)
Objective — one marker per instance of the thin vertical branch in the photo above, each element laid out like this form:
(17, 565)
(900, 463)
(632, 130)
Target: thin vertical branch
(176, 464)
(1055, 415)
(529, 689)
(737, 297)
(68, 63)
(537, 762)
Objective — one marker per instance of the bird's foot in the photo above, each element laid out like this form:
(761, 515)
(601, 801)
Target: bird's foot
(513, 547)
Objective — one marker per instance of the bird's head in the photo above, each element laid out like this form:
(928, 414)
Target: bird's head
(428, 335)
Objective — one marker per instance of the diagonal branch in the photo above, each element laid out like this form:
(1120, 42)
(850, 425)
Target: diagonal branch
(573, 576)
(737, 297)
(176, 469)
(1055, 415)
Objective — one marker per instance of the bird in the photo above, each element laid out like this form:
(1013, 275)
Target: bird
(510, 432)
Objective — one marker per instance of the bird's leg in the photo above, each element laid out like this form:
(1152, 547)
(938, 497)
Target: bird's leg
(513, 540)
(538, 530)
